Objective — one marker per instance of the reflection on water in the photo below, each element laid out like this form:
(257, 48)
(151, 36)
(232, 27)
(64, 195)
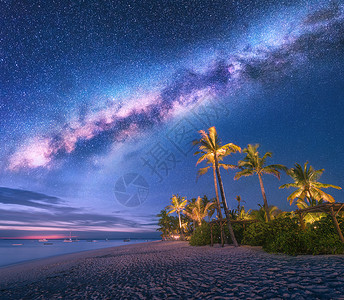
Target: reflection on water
(15, 251)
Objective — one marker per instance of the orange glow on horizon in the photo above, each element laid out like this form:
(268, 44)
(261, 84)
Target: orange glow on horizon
(36, 237)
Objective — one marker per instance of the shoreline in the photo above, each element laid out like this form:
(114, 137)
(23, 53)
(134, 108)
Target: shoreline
(10, 271)
(163, 269)
(63, 254)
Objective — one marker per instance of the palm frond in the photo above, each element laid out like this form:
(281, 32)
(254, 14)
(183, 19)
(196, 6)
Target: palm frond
(278, 167)
(231, 148)
(265, 156)
(202, 171)
(228, 166)
(297, 194)
(243, 173)
(288, 185)
(326, 197)
(271, 171)
(326, 186)
(245, 164)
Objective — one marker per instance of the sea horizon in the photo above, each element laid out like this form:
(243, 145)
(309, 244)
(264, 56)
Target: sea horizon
(91, 238)
(32, 249)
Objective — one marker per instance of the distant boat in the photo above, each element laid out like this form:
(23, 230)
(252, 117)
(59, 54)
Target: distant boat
(68, 240)
(126, 240)
(17, 244)
(43, 240)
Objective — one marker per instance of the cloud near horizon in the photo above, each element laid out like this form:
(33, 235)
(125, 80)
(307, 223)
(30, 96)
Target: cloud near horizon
(48, 213)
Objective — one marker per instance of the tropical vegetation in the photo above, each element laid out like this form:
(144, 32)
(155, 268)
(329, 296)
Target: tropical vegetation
(200, 219)
(254, 164)
(210, 146)
(307, 185)
(178, 205)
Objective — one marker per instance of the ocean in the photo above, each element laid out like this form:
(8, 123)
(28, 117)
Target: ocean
(17, 251)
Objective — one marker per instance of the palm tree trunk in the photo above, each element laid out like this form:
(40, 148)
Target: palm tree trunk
(266, 206)
(180, 226)
(219, 213)
(223, 197)
(335, 221)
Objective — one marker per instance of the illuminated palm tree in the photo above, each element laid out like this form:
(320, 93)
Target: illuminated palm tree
(210, 146)
(178, 206)
(307, 185)
(211, 164)
(306, 203)
(168, 224)
(238, 198)
(240, 211)
(163, 223)
(253, 164)
(200, 210)
(188, 211)
(262, 215)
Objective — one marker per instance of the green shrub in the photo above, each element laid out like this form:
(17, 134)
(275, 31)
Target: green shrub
(291, 243)
(201, 236)
(325, 225)
(322, 237)
(281, 235)
(216, 234)
(319, 243)
(238, 232)
(305, 242)
(255, 234)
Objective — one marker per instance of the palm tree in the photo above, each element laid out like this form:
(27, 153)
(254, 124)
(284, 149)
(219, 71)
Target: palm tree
(200, 210)
(253, 164)
(168, 224)
(188, 212)
(240, 211)
(211, 164)
(261, 214)
(311, 217)
(307, 185)
(238, 198)
(210, 146)
(212, 208)
(178, 206)
(163, 223)
(243, 214)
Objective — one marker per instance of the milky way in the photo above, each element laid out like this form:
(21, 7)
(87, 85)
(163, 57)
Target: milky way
(317, 34)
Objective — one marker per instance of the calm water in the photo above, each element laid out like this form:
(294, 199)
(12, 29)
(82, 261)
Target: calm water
(32, 249)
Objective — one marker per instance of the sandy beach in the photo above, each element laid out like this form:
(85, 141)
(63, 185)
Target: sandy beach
(175, 270)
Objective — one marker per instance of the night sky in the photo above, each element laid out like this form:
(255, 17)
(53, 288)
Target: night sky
(100, 101)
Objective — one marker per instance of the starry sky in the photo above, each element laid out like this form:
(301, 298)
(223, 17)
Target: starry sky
(100, 101)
